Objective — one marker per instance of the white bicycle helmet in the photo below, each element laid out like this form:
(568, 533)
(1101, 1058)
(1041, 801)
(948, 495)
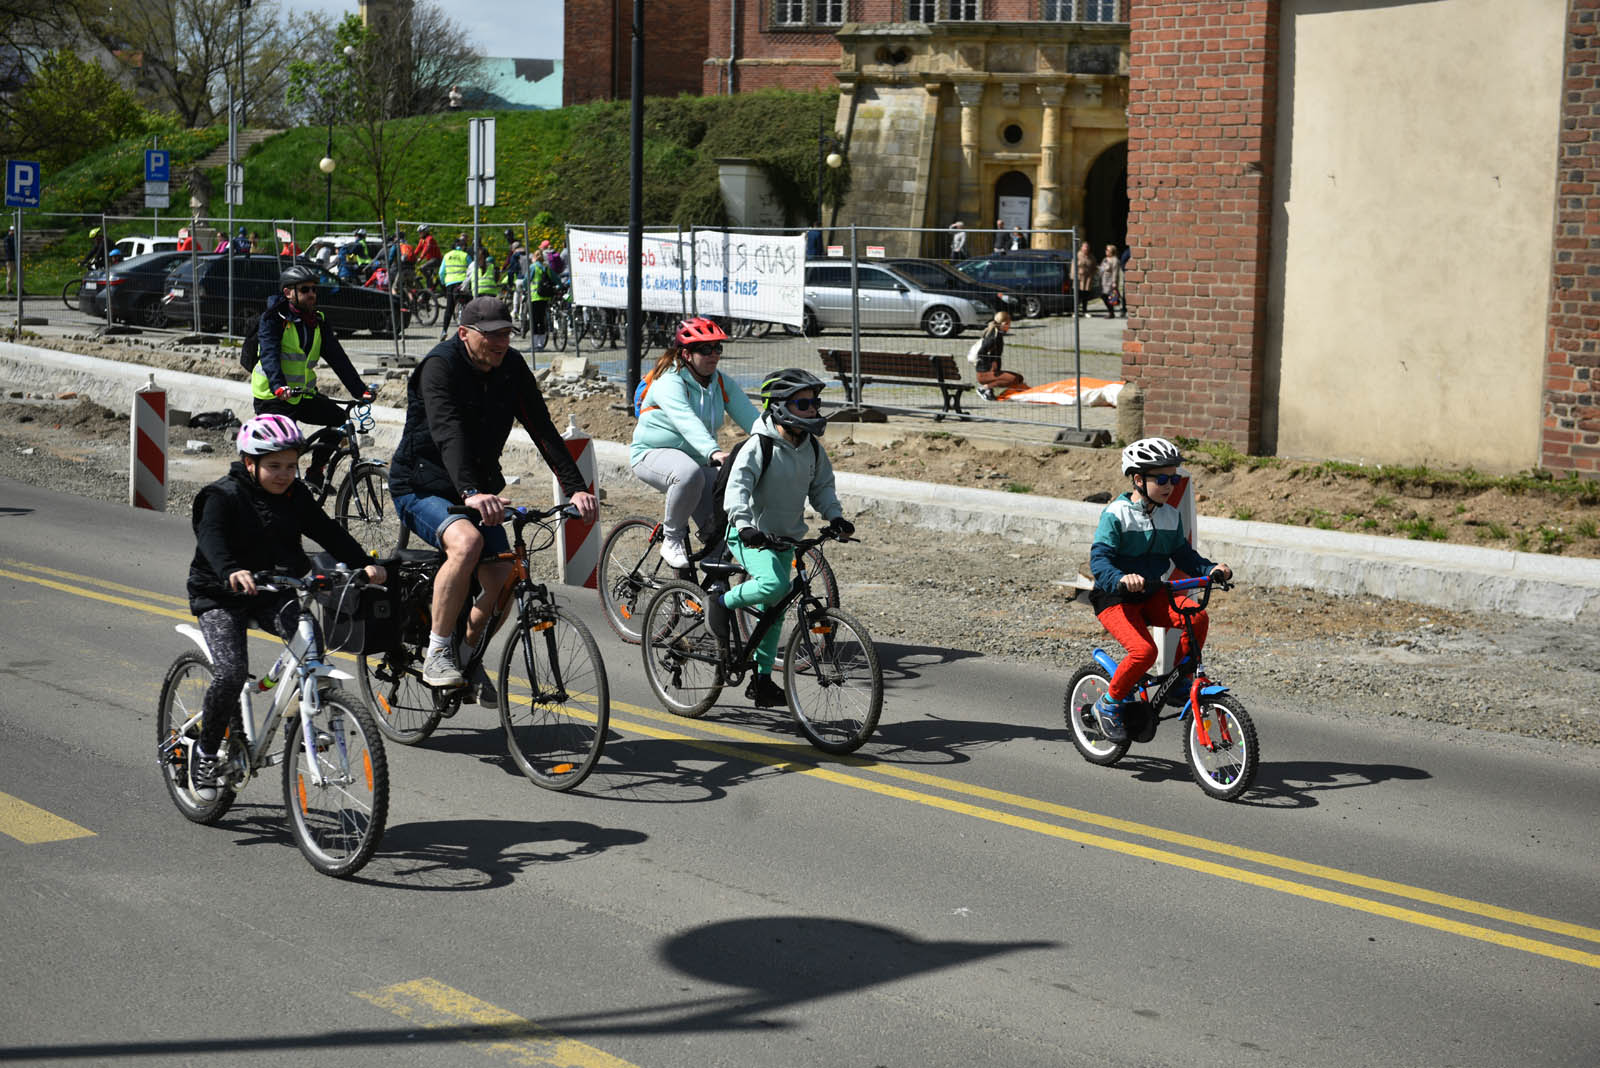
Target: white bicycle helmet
(1146, 454)
(262, 435)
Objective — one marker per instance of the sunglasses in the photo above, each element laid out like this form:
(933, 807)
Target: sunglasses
(705, 350)
(805, 404)
(1164, 480)
(305, 289)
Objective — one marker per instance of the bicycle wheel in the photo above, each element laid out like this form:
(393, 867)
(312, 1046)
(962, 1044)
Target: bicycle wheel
(363, 508)
(630, 570)
(833, 681)
(555, 703)
(405, 709)
(558, 329)
(182, 692)
(680, 653)
(336, 823)
(425, 307)
(1225, 768)
(1087, 687)
(69, 293)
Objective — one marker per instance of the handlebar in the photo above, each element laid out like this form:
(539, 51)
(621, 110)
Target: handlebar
(1205, 584)
(314, 581)
(519, 513)
(781, 543)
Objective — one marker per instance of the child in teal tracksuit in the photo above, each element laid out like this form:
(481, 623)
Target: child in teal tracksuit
(766, 494)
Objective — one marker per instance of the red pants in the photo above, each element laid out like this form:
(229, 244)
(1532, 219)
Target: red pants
(1129, 623)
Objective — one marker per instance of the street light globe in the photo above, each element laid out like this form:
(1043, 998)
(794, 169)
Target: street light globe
(326, 165)
(834, 159)
(349, 50)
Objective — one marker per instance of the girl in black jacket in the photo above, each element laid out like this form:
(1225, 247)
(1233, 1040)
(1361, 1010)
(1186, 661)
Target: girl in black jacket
(250, 520)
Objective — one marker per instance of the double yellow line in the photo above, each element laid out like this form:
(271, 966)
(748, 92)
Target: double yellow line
(1176, 849)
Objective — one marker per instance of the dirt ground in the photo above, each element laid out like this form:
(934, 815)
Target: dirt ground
(1298, 494)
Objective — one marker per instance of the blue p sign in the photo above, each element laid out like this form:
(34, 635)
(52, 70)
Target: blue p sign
(22, 184)
(157, 165)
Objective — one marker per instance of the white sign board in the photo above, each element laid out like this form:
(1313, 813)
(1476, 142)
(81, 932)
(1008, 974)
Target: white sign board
(480, 162)
(745, 276)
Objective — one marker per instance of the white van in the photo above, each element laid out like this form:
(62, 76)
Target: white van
(143, 246)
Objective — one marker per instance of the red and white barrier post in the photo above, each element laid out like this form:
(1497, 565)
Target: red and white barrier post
(577, 542)
(147, 451)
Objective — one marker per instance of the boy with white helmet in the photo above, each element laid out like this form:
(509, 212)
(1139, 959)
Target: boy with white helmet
(252, 519)
(1139, 537)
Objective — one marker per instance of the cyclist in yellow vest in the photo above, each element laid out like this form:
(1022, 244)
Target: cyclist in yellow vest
(481, 280)
(290, 340)
(453, 272)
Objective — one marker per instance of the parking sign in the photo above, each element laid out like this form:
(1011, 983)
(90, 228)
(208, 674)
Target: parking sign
(22, 184)
(157, 165)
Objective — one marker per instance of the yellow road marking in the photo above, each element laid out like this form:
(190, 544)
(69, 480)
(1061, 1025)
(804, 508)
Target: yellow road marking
(32, 825)
(1094, 819)
(102, 583)
(431, 1004)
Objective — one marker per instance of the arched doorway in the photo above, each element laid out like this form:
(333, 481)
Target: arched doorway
(1105, 199)
(1013, 201)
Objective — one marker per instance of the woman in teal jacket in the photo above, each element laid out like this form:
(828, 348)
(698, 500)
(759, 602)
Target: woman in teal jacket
(675, 444)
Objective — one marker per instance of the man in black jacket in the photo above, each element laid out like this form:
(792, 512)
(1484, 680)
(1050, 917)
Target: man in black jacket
(460, 404)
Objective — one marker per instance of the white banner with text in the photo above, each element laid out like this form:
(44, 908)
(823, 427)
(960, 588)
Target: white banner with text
(711, 272)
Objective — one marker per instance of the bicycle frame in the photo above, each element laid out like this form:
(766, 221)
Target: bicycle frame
(1153, 689)
(741, 655)
(306, 667)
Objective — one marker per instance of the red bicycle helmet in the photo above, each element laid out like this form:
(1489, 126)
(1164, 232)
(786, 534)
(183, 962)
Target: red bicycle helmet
(698, 332)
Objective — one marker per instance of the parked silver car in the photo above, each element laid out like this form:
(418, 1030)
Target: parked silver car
(889, 301)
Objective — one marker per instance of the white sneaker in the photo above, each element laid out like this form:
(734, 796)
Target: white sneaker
(675, 553)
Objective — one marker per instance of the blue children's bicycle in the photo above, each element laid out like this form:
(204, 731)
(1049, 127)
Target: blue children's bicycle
(1219, 743)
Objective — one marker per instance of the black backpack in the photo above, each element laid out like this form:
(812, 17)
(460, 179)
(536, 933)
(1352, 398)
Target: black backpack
(250, 351)
(719, 512)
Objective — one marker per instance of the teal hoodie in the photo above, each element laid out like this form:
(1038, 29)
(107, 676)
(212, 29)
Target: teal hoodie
(685, 415)
(775, 502)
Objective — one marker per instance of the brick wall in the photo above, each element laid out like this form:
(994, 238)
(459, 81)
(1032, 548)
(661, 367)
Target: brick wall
(1201, 124)
(1570, 438)
(767, 54)
(598, 57)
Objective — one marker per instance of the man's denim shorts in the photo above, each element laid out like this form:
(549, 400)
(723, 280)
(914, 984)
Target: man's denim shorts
(428, 516)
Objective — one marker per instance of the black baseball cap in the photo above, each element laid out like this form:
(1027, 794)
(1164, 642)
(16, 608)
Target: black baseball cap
(486, 315)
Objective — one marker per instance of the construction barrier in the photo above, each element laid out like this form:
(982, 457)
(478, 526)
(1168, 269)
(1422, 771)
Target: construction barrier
(147, 451)
(578, 542)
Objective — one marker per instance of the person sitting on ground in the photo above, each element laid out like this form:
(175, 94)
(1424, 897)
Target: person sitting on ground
(291, 338)
(1139, 537)
(674, 447)
(992, 381)
(252, 519)
(766, 495)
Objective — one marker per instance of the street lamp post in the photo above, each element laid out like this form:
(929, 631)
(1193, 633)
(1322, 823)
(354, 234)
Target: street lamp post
(831, 159)
(326, 166)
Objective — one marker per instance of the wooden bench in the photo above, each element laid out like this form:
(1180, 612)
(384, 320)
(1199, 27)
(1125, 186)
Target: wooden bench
(937, 370)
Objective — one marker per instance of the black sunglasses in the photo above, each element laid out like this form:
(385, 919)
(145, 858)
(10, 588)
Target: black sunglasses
(805, 404)
(706, 350)
(305, 289)
(1163, 480)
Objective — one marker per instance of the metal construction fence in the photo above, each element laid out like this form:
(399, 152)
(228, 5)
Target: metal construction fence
(881, 306)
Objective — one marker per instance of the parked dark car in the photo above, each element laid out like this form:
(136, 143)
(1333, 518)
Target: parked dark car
(936, 276)
(345, 308)
(1041, 279)
(134, 288)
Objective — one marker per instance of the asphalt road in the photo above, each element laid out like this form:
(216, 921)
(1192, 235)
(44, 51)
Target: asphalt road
(968, 891)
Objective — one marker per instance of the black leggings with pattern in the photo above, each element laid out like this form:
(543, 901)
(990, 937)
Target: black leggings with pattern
(224, 631)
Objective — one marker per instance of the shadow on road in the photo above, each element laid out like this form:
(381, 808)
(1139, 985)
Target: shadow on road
(1286, 785)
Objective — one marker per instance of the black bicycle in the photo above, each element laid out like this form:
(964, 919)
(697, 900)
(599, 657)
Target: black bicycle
(361, 501)
(555, 702)
(831, 675)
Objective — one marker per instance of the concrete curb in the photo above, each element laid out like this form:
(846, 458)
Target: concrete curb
(1457, 577)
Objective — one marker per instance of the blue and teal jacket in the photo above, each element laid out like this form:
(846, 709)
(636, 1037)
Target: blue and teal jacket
(1132, 540)
(680, 413)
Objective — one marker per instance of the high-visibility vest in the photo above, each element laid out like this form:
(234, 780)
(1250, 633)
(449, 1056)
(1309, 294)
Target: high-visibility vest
(299, 366)
(455, 266)
(482, 282)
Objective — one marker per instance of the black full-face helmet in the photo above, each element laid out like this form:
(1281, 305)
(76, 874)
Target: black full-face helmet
(779, 386)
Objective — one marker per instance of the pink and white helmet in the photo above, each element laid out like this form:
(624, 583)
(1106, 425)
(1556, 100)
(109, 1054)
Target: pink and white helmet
(262, 435)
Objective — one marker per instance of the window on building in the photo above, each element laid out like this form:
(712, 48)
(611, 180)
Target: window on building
(1078, 10)
(922, 11)
(789, 12)
(830, 12)
(1097, 10)
(965, 10)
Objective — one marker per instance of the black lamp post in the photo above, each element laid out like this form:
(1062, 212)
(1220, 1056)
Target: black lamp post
(825, 141)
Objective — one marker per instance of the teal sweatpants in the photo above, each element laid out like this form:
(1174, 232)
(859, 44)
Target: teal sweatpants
(769, 580)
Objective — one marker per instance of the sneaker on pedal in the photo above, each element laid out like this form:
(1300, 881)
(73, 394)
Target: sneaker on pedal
(765, 693)
(1109, 713)
(205, 773)
(674, 552)
(440, 669)
(479, 689)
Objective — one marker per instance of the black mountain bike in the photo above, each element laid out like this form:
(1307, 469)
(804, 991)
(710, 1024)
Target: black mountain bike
(831, 675)
(361, 500)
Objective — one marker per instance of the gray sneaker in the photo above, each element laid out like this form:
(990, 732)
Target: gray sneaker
(479, 689)
(441, 670)
(205, 773)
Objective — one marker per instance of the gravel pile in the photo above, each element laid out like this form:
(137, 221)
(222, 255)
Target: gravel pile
(1350, 657)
